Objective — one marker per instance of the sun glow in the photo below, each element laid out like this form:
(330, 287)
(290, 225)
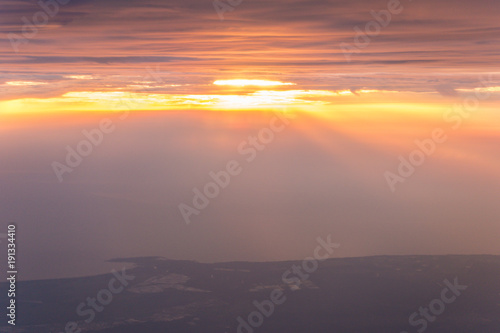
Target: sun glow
(243, 83)
(260, 95)
(24, 83)
(264, 98)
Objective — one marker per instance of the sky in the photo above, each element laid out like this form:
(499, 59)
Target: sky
(374, 121)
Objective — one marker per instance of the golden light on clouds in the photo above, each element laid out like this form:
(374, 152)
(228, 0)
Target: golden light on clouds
(481, 89)
(80, 77)
(244, 82)
(24, 83)
(126, 100)
(252, 94)
(302, 99)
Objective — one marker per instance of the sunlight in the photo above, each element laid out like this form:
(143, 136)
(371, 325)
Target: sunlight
(260, 83)
(24, 83)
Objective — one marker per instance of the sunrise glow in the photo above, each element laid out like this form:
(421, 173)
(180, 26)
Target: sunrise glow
(250, 166)
(259, 83)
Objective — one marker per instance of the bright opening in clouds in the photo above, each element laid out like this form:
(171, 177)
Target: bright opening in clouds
(242, 83)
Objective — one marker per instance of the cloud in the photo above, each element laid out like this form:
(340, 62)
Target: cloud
(99, 60)
(446, 90)
(258, 40)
